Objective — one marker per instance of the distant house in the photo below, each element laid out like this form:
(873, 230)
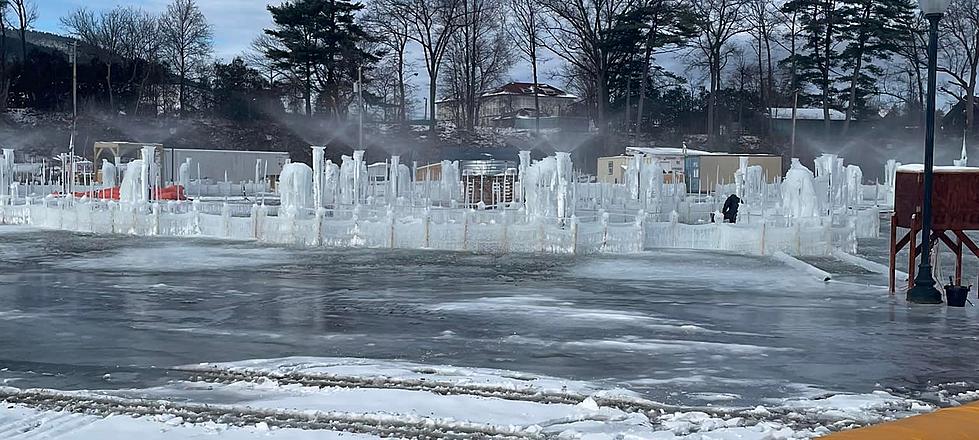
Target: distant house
(809, 121)
(512, 105)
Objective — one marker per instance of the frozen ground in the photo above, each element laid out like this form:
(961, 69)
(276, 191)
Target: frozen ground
(689, 330)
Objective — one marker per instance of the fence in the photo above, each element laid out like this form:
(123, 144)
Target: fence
(498, 231)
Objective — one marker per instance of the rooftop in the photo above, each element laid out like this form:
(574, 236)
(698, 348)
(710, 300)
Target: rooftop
(668, 151)
(523, 88)
(807, 113)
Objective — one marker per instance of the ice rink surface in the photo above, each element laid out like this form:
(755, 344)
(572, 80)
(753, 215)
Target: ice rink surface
(685, 328)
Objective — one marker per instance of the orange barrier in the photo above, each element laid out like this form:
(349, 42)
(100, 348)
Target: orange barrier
(959, 423)
(172, 192)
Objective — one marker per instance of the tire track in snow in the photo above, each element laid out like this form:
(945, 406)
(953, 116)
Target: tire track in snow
(793, 417)
(384, 425)
(44, 426)
(444, 387)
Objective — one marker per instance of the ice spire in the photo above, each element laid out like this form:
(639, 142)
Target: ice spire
(964, 159)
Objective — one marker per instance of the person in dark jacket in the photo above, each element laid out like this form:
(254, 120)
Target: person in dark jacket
(730, 210)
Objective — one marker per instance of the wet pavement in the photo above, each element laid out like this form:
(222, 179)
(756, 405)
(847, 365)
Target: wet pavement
(676, 326)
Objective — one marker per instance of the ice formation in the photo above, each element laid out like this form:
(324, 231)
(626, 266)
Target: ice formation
(963, 160)
(890, 179)
(798, 195)
(296, 186)
(352, 182)
(184, 174)
(853, 185)
(521, 170)
(383, 206)
(133, 188)
(6, 171)
(546, 187)
(108, 174)
(331, 180)
(319, 186)
(450, 185)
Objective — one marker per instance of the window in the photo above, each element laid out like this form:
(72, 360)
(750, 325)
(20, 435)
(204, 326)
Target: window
(610, 167)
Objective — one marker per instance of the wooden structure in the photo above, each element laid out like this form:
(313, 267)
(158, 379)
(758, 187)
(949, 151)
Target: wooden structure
(489, 190)
(121, 149)
(955, 210)
(489, 182)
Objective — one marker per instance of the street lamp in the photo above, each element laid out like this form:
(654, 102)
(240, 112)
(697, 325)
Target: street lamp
(924, 291)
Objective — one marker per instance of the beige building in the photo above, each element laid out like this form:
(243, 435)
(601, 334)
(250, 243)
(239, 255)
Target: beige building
(705, 172)
(701, 170)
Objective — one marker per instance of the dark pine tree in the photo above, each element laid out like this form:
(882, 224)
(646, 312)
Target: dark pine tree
(321, 43)
(240, 93)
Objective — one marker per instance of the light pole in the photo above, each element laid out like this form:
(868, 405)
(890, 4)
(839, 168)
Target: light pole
(924, 291)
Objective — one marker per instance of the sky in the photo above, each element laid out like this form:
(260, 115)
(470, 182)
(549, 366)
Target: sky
(237, 22)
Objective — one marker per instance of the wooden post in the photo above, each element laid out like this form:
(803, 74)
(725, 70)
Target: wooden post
(958, 261)
(892, 257)
(428, 225)
(763, 237)
(913, 248)
(465, 229)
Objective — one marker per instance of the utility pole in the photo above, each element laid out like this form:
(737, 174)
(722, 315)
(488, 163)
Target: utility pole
(360, 113)
(795, 107)
(74, 114)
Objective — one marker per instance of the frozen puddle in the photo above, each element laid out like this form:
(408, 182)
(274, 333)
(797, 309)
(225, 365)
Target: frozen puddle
(303, 397)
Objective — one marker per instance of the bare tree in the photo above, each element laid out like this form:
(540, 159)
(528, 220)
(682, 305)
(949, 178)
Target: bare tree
(141, 44)
(186, 38)
(26, 13)
(256, 59)
(477, 58)
(432, 23)
(960, 54)
(524, 26)
(720, 20)
(763, 19)
(104, 31)
(4, 73)
(580, 32)
(395, 30)
(912, 49)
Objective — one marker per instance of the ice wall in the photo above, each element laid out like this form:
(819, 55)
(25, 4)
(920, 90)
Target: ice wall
(296, 186)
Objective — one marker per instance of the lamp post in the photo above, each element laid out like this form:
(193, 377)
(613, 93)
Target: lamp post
(924, 291)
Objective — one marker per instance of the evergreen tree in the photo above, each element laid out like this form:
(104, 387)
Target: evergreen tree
(240, 92)
(321, 44)
(819, 23)
(873, 34)
(667, 25)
